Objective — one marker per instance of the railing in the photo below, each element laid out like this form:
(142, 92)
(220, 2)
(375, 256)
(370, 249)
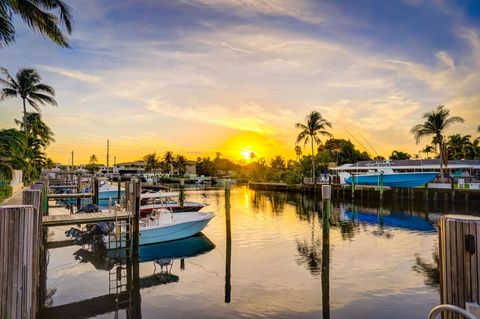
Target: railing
(450, 308)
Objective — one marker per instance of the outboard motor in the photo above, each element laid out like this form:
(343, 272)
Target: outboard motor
(96, 230)
(90, 208)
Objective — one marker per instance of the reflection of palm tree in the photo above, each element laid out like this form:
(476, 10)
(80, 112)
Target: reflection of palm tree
(430, 271)
(436, 122)
(310, 254)
(314, 125)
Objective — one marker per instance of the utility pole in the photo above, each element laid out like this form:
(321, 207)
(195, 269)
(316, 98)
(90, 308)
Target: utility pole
(115, 160)
(72, 160)
(108, 153)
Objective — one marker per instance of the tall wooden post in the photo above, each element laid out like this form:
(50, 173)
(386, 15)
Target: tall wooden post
(228, 245)
(459, 244)
(326, 199)
(135, 204)
(381, 186)
(96, 195)
(18, 253)
(79, 181)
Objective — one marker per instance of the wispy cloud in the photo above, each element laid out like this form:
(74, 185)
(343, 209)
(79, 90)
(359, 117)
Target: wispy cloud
(73, 74)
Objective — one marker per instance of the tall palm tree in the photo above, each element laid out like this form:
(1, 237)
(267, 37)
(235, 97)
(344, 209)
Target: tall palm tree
(93, 159)
(298, 152)
(314, 125)
(28, 87)
(39, 17)
(152, 164)
(435, 123)
(428, 149)
(169, 159)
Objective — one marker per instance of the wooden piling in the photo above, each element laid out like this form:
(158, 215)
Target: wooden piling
(96, 195)
(228, 248)
(18, 252)
(459, 244)
(325, 276)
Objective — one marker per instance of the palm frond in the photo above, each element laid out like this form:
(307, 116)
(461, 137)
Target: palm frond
(66, 18)
(34, 104)
(42, 98)
(7, 93)
(43, 88)
(7, 31)
(38, 20)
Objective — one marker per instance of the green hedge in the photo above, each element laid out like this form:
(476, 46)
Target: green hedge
(5, 192)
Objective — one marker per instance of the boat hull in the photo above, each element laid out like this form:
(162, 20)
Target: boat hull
(398, 180)
(164, 232)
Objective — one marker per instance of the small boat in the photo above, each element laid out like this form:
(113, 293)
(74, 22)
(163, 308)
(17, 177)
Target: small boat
(394, 180)
(162, 226)
(152, 201)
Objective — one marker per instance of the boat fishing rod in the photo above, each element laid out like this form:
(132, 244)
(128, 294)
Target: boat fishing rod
(357, 141)
(369, 145)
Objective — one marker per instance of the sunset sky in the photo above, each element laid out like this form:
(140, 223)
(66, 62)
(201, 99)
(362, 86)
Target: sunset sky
(201, 76)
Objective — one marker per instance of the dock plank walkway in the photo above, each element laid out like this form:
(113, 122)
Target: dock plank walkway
(73, 219)
(67, 196)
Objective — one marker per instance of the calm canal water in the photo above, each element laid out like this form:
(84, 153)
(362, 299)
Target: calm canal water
(382, 264)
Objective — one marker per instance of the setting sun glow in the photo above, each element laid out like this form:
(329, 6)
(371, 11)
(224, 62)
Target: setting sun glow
(246, 151)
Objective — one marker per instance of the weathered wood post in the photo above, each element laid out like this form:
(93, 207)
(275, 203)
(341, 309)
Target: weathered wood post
(325, 277)
(381, 186)
(96, 195)
(18, 249)
(135, 204)
(79, 189)
(459, 244)
(228, 244)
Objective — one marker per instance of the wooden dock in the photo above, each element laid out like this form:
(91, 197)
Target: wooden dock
(74, 219)
(68, 196)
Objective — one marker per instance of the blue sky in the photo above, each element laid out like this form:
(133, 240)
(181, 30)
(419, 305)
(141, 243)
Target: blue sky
(198, 76)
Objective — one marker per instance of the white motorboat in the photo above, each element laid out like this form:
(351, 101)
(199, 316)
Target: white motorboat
(162, 226)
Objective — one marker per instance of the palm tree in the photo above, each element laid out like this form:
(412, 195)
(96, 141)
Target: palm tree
(399, 155)
(436, 122)
(37, 128)
(39, 17)
(458, 146)
(152, 164)
(428, 149)
(27, 86)
(314, 125)
(13, 146)
(93, 159)
(168, 159)
(298, 151)
(180, 163)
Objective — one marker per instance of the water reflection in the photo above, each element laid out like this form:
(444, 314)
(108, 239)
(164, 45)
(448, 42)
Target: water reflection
(283, 255)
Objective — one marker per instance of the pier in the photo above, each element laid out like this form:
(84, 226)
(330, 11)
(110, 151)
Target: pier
(23, 242)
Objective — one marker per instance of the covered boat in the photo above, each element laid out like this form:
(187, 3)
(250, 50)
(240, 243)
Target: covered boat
(395, 180)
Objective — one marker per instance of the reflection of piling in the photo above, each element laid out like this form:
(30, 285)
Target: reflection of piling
(381, 186)
(326, 199)
(228, 255)
(353, 186)
(182, 194)
(459, 243)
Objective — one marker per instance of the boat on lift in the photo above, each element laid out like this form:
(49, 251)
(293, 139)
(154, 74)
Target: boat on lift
(385, 176)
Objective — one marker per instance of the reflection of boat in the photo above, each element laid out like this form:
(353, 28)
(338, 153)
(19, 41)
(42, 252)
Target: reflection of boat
(396, 180)
(394, 219)
(162, 226)
(178, 249)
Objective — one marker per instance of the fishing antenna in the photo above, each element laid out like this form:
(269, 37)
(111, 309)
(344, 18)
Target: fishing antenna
(369, 145)
(356, 140)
